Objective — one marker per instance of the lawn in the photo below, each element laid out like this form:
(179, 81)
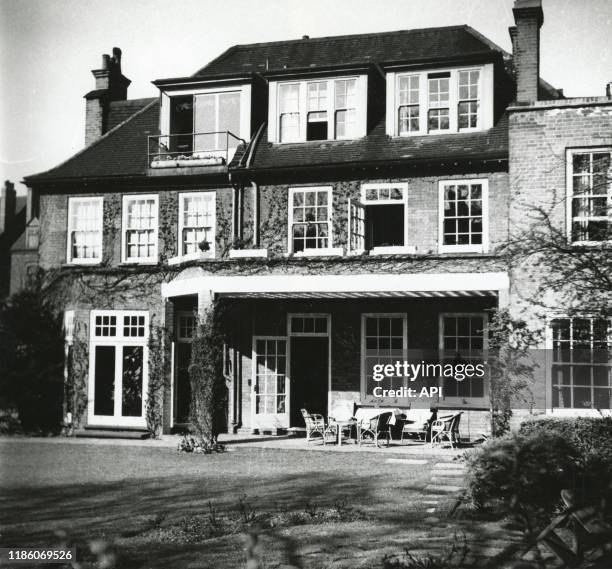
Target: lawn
(158, 509)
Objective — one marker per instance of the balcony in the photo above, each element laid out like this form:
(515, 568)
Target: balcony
(195, 150)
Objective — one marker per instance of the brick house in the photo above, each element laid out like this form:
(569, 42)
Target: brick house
(345, 195)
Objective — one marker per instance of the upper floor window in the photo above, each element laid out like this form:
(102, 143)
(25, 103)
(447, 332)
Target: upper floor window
(324, 109)
(84, 230)
(463, 216)
(581, 363)
(309, 219)
(453, 100)
(589, 195)
(197, 224)
(378, 222)
(140, 227)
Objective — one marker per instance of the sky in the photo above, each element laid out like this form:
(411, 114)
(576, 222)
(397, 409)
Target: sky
(49, 47)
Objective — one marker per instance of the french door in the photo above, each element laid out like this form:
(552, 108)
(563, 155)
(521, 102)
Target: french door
(118, 368)
(270, 383)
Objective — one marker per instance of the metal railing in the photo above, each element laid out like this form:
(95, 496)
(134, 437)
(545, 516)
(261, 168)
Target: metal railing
(190, 150)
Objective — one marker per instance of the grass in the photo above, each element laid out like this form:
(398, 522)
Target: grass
(157, 509)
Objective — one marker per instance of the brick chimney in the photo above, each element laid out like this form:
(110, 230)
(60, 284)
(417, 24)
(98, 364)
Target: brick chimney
(525, 36)
(111, 85)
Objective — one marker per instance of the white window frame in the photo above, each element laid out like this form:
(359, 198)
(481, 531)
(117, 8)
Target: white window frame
(365, 398)
(403, 186)
(472, 248)
(465, 401)
(549, 345)
(569, 179)
(485, 99)
(124, 229)
(94, 260)
(118, 341)
(181, 226)
(274, 110)
(329, 250)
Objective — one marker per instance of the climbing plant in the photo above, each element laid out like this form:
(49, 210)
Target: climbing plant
(158, 379)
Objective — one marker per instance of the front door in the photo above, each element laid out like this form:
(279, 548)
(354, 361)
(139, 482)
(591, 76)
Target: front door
(309, 376)
(118, 368)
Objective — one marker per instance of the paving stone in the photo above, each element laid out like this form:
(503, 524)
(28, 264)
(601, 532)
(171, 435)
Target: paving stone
(444, 472)
(449, 465)
(406, 461)
(443, 488)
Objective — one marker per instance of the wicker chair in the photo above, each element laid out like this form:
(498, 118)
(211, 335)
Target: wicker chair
(373, 429)
(446, 428)
(315, 425)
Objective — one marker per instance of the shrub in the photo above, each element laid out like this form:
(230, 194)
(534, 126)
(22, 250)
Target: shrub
(523, 475)
(591, 439)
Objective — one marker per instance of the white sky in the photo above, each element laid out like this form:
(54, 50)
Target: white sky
(48, 47)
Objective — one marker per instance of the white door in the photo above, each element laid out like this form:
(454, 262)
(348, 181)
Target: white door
(118, 368)
(270, 394)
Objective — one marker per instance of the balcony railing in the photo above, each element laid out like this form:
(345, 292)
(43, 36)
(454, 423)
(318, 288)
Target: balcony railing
(191, 150)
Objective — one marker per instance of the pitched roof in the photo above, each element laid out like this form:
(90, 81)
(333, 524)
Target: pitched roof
(120, 111)
(425, 44)
(122, 151)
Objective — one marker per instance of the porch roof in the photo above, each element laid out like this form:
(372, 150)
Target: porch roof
(424, 285)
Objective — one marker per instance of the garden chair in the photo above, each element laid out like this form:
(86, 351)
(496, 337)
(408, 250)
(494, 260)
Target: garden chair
(446, 428)
(315, 425)
(373, 428)
(417, 424)
(341, 412)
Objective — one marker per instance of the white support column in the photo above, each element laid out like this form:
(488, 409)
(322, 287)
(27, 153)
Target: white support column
(205, 301)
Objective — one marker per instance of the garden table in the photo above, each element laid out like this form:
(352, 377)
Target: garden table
(343, 424)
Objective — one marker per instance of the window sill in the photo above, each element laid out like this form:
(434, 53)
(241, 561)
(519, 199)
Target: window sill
(76, 263)
(461, 249)
(136, 262)
(330, 252)
(185, 258)
(248, 254)
(394, 250)
(591, 244)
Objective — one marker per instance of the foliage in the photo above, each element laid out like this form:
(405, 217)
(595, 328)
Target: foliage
(511, 368)
(208, 389)
(591, 439)
(158, 379)
(32, 361)
(522, 475)
(75, 389)
(455, 558)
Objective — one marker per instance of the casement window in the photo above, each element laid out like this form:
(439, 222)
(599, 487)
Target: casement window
(140, 228)
(439, 101)
(463, 216)
(118, 367)
(84, 230)
(197, 224)
(408, 110)
(463, 341)
(323, 109)
(270, 381)
(581, 363)
(309, 219)
(378, 220)
(438, 113)
(469, 82)
(589, 179)
(384, 340)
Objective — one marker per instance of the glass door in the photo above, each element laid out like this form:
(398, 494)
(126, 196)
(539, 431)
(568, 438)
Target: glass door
(270, 385)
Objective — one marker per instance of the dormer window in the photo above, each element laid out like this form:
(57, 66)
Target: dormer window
(439, 101)
(323, 109)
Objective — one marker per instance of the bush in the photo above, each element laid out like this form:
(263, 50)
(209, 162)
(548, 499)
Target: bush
(591, 439)
(522, 474)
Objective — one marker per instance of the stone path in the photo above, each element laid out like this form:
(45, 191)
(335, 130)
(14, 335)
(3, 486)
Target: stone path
(447, 478)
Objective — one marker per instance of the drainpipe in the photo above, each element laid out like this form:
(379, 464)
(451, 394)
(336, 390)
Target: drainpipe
(255, 215)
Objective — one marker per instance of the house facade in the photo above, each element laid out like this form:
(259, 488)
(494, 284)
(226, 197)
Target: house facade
(346, 197)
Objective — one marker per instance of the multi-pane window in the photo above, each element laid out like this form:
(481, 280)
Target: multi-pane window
(439, 101)
(84, 230)
(468, 98)
(463, 215)
(463, 342)
(139, 228)
(385, 341)
(289, 117)
(582, 363)
(133, 326)
(105, 325)
(385, 215)
(270, 376)
(310, 217)
(591, 195)
(408, 110)
(186, 326)
(308, 325)
(197, 224)
(316, 127)
(345, 108)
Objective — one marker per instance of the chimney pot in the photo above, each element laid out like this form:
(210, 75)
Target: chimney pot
(305, 37)
(105, 61)
(609, 90)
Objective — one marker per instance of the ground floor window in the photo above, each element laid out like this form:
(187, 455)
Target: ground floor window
(118, 367)
(581, 363)
(463, 342)
(270, 376)
(384, 341)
